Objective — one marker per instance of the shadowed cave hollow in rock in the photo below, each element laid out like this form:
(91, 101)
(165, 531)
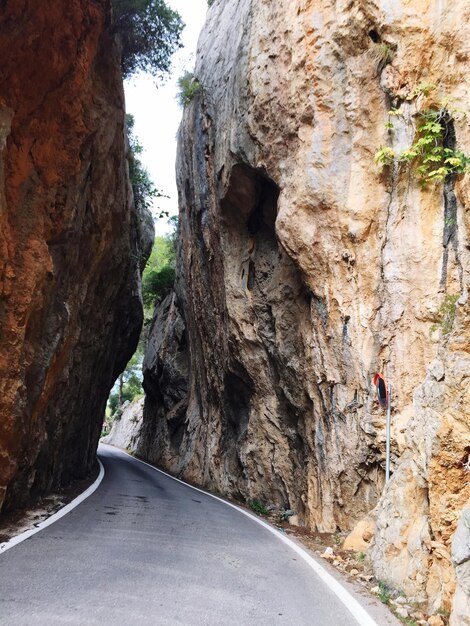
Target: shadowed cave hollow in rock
(264, 288)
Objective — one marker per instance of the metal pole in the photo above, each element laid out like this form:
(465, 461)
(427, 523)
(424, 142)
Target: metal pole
(387, 451)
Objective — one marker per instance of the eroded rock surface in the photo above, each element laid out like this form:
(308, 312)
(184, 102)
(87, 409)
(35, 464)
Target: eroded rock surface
(303, 269)
(70, 246)
(125, 431)
(461, 561)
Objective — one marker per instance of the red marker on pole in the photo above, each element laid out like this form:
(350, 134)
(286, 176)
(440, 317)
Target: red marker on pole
(383, 396)
(382, 393)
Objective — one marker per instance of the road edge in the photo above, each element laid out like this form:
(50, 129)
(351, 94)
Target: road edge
(14, 541)
(347, 599)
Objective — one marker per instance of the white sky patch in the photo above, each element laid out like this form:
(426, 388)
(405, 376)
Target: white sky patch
(157, 113)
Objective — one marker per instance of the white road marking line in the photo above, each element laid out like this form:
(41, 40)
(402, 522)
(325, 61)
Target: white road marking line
(357, 611)
(54, 518)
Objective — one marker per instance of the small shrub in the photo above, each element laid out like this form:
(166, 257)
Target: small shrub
(188, 86)
(444, 612)
(156, 284)
(384, 156)
(422, 89)
(257, 507)
(360, 557)
(382, 54)
(446, 314)
(385, 593)
(432, 155)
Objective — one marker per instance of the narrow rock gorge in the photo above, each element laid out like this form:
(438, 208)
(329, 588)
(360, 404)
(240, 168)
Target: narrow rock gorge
(71, 245)
(304, 268)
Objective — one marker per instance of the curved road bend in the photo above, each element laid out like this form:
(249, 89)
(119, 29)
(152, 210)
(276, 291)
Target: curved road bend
(145, 549)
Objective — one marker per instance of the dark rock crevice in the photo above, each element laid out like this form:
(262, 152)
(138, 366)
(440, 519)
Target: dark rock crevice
(450, 235)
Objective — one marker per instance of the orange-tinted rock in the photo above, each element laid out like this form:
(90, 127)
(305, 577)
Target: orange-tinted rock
(69, 305)
(304, 269)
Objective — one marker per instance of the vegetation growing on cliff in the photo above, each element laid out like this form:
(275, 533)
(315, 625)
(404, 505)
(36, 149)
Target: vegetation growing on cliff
(159, 273)
(143, 189)
(446, 314)
(432, 155)
(188, 87)
(157, 281)
(129, 385)
(382, 54)
(149, 32)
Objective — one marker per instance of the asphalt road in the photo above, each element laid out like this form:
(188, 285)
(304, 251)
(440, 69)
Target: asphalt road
(145, 549)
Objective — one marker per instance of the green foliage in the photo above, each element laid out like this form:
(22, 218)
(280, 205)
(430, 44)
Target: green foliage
(149, 32)
(430, 155)
(210, 2)
(163, 251)
(157, 280)
(257, 507)
(157, 284)
(385, 593)
(188, 88)
(422, 89)
(128, 386)
(117, 414)
(360, 557)
(446, 314)
(159, 273)
(384, 156)
(382, 53)
(143, 189)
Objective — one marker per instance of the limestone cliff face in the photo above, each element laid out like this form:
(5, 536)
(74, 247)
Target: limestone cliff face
(303, 269)
(70, 310)
(125, 431)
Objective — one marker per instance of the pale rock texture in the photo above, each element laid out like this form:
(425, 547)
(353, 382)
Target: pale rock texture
(125, 431)
(303, 269)
(70, 244)
(359, 539)
(461, 560)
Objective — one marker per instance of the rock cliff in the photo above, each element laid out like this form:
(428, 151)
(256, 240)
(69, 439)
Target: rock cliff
(125, 431)
(303, 268)
(70, 245)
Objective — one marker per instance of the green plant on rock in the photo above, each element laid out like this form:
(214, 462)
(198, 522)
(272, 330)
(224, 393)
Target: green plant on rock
(257, 507)
(421, 89)
(432, 155)
(127, 387)
(385, 593)
(144, 191)
(156, 284)
(385, 156)
(188, 88)
(159, 273)
(446, 314)
(382, 55)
